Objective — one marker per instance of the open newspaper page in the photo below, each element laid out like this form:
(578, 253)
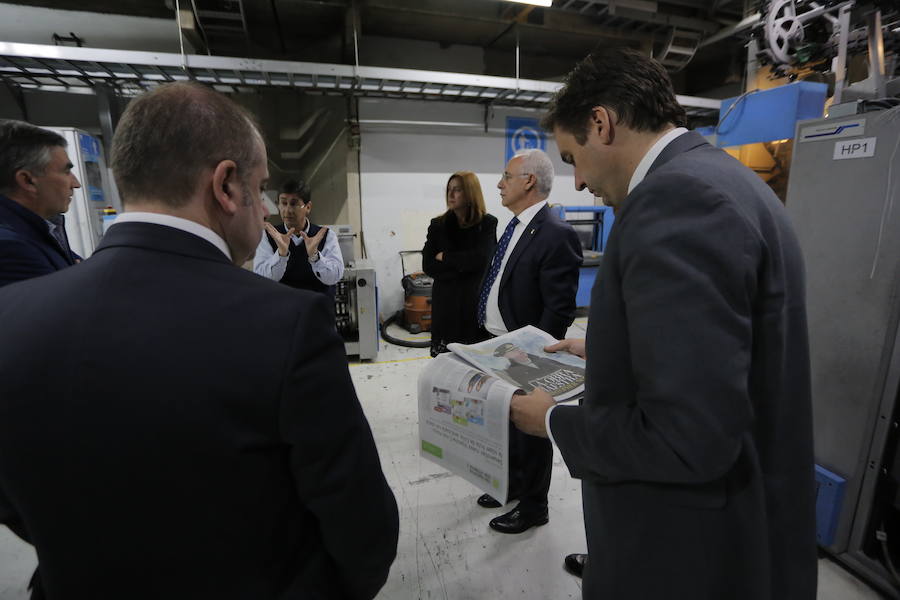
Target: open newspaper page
(519, 358)
(464, 423)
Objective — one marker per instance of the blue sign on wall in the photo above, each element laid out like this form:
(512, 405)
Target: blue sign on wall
(523, 133)
(90, 154)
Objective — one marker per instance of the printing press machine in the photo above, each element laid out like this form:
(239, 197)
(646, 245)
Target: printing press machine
(356, 300)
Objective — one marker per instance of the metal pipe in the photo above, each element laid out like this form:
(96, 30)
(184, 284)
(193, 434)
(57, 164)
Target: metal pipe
(180, 33)
(517, 57)
(200, 25)
(407, 122)
(876, 53)
(277, 26)
(727, 32)
(839, 64)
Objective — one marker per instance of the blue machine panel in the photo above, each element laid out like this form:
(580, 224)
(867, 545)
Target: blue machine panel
(604, 218)
(90, 153)
(586, 278)
(770, 115)
(594, 224)
(829, 497)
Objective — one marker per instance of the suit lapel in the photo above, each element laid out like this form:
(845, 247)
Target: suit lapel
(523, 243)
(683, 143)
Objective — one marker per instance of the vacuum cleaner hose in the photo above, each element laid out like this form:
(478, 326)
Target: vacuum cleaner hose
(398, 342)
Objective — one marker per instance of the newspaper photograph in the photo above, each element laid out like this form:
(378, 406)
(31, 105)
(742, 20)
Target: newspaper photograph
(518, 357)
(464, 422)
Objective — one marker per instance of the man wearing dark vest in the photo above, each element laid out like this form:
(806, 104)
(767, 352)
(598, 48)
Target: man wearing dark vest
(298, 253)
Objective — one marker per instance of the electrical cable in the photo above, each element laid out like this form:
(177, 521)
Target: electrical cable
(881, 536)
(734, 104)
(397, 341)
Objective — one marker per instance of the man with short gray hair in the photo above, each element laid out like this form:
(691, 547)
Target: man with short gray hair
(532, 280)
(36, 183)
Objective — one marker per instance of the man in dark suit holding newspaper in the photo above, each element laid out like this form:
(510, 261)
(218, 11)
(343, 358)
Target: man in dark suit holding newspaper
(694, 439)
(532, 280)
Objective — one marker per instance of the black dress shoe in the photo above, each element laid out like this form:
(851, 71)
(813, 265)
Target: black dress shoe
(517, 521)
(487, 501)
(574, 564)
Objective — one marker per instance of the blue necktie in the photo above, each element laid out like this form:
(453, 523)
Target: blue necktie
(495, 269)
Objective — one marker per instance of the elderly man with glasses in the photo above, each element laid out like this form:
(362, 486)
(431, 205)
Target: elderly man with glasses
(531, 280)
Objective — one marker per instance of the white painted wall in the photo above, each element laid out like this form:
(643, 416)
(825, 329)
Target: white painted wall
(34, 25)
(404, 170)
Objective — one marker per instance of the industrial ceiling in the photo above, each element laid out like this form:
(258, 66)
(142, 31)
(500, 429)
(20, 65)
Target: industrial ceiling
(549, 40)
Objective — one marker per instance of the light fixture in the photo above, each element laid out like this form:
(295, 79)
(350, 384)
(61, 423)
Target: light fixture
(547, 3)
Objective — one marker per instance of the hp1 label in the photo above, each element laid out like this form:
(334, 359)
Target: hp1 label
(860, 148)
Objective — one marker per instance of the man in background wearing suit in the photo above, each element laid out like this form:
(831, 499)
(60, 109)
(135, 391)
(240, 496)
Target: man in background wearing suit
(196, 434)
(36, 183)
(694, 438)
(532, 280)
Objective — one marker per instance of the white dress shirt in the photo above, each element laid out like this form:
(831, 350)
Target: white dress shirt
(493, 320)
(176, 223)
(652, 154)
(640, 172)
(328, 268)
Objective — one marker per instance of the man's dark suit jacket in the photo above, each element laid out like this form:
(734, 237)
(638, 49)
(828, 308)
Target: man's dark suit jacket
(26, 247)
(540, 279)
(537, 287)
(179, 427)
(694, 439)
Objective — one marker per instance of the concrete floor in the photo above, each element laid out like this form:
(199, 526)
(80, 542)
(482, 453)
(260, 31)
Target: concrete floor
(446, 550)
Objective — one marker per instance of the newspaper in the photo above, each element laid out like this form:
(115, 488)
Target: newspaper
(464, 401)
(464, 423)
(519, 358)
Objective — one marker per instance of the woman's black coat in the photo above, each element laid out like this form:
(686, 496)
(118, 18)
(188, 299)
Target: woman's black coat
(457, 278)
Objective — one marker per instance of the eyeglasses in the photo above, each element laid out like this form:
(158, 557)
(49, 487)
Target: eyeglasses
(506, 176)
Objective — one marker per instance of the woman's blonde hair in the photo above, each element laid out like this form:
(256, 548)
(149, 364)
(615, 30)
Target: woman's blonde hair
(475, 210)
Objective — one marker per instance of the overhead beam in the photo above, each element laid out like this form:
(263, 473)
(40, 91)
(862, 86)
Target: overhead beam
(517, 16)
(727, 32)
(680, 22)
(561, 22)
(151, 68)
(648, 11)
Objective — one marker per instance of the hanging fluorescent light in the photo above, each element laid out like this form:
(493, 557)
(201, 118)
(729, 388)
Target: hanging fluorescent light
(547, 3)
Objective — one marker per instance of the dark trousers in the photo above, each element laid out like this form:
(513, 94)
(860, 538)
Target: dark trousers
(530, 467)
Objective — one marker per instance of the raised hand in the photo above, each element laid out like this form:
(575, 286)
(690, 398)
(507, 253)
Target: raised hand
(282, 240)
(312, 243)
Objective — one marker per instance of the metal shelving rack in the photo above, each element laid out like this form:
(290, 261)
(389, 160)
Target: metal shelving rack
(79, 70)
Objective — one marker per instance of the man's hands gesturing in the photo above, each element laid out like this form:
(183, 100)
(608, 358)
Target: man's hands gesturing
(312, 243)
(282, 240)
